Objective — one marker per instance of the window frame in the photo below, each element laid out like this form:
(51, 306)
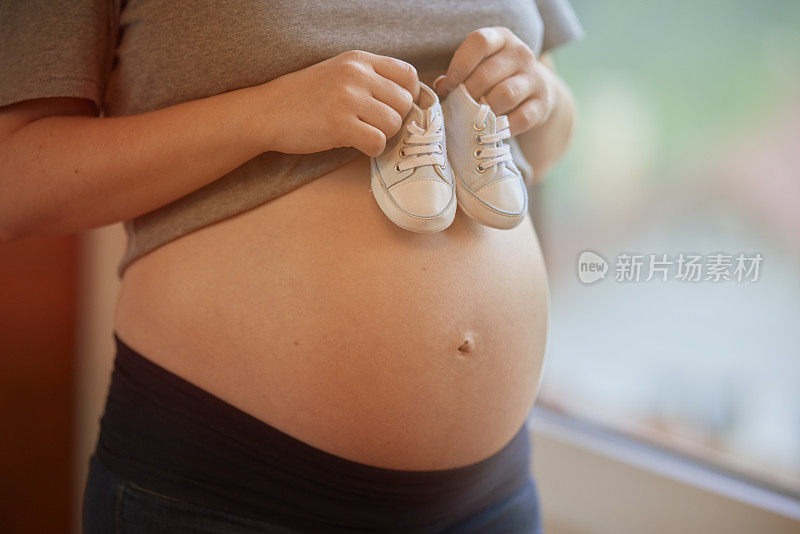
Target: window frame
(566, 440)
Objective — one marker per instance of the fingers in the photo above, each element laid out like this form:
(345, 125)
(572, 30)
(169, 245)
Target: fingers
(437, 87)
(489, 73)
(537, 106)
(547, 87)
(402, 73)
(478, 45)
(368, 139)
(527, 115)
(512, 92)
(375, 94)
(381, 116)
(393, 95)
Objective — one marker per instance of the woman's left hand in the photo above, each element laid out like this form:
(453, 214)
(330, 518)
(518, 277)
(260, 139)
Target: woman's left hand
(498, 65)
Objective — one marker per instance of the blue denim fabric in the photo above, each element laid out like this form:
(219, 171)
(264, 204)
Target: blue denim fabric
(113, 505)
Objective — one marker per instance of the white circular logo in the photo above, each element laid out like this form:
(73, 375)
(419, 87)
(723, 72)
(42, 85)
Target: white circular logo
(591, 267)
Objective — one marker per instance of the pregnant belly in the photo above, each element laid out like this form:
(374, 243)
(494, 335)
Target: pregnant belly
(320, 317)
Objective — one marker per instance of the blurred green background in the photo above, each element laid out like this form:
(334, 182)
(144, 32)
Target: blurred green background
(687, 141)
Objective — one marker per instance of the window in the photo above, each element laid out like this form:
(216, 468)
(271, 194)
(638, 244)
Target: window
(687, 145)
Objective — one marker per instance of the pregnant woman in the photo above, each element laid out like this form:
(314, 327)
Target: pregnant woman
(288, 359)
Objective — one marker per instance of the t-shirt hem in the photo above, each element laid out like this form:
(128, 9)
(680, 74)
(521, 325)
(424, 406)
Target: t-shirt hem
(56, 86)
(138, 248)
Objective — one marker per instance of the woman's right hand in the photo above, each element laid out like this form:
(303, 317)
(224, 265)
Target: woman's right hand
(356, 99)
(96, 171)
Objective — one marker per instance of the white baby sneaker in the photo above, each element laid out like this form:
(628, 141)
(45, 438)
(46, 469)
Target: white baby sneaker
(489, 186)
(411, 180)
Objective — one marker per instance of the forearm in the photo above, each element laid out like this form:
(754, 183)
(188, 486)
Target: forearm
(544, 144)
(69, 173)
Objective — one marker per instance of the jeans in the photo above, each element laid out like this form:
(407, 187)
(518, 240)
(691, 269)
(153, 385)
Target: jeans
(113, 505)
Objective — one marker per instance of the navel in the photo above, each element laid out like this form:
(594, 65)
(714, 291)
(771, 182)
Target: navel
(467, 346)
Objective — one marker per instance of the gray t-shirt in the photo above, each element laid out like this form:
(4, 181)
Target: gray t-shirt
(134, 56)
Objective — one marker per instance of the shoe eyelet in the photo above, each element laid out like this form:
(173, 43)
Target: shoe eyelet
(443, 166)
(403, 151)
(480, 169)
(441, 148)
(475, 126)
(397, 167)
(478, 139)
(477, 153)
(405, 140)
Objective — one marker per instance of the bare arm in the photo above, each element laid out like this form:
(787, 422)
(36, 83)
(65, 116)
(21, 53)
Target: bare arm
(64, 170)
(544, 144)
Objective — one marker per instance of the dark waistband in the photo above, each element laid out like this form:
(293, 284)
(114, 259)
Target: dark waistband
(167, 434)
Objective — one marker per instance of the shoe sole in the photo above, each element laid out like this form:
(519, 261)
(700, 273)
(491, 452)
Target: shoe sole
(402, 218)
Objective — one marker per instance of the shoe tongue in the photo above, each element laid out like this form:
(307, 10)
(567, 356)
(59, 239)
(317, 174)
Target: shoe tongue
(426, 118)
(421, 116)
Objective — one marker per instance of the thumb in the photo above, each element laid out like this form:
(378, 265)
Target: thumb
(440, 89)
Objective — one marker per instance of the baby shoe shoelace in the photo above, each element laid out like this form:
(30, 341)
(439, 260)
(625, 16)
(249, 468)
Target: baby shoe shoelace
(424, 144)
(498, 151)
